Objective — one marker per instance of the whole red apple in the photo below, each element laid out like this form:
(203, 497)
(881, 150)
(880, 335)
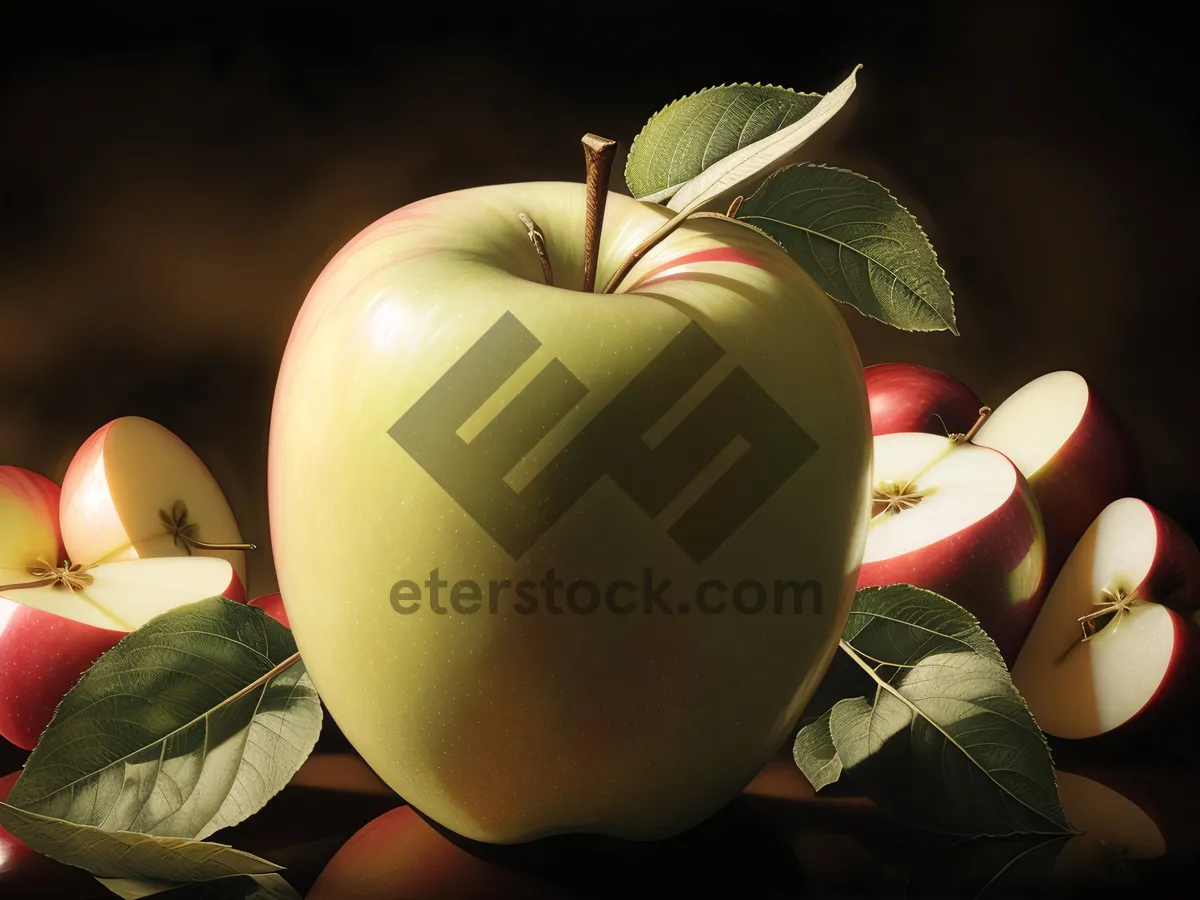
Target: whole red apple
(906, 397)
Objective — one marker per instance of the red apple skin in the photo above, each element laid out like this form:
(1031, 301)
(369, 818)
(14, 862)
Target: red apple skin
(905, 397)
(1096, 466)
(973, 568)
(272, 605)
(41, 657)
(1174, 577)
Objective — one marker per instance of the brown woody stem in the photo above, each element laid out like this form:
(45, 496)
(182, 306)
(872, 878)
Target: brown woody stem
(984, 412)
(598, 153)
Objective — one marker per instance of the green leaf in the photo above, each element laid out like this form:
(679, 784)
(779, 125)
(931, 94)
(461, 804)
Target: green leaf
(815, 754)
(124, 854)
(235, 887)
(189, 725)
(689, 135)
(860, 245)
(946, 743)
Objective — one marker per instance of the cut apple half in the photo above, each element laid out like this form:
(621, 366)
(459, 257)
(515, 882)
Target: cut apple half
(1072, 449)
(1105, 651)
(123, 596)
(957, 519)
(135, 490)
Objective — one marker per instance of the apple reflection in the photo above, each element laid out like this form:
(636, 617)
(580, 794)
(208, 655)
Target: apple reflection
(401, 855)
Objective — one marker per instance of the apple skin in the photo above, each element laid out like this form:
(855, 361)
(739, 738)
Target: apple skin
(906, 397)
(272, 605)
(974, 568)
(507, 727)
(1095, 466)
(41, 658)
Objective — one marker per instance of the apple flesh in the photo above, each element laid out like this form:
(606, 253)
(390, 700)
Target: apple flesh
(907, 398)
(122, 480)
(507, 726)
(958, 520)
(1130, 568)
(1070, 446)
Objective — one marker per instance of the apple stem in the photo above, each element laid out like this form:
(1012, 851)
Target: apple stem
(539, 244)
(734, 207)
(984, 412)
(598, 153)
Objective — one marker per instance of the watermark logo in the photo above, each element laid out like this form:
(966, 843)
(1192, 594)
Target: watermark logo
(610, 444)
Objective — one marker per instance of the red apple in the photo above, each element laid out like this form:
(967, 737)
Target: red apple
(1137, 655)
(1073, 450)
(906, 397)
(135, 490)
(272, 605)
(50, 633)
(959, 520)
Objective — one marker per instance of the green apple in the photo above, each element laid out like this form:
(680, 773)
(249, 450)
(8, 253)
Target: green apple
(564, 561)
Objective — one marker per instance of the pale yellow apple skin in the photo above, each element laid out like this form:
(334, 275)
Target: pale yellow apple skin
(507, 727)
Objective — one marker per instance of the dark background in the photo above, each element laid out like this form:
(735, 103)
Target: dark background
(172, 183)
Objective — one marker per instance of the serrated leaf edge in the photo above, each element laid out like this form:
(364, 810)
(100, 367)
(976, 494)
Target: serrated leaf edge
(668, 192)
(951, 325)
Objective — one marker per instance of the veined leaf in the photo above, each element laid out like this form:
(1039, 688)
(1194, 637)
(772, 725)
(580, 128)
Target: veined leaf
(815, 754)
(756, 161)
(124, 854)
(860, 245)
(946, 742)
(234, 887)
(687, 136)
(189, 725)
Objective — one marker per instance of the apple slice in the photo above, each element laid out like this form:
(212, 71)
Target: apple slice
(135, 490)
(905, 397)
(957, 519)
(1105, 651)
(1071, 448)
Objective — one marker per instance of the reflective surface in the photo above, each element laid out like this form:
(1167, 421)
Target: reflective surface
(344, 836)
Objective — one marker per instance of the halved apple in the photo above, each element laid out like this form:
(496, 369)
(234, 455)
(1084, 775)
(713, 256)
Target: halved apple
(51, 634)
(135, 490)
(905, 397)
(960, 520)
(1073, 450)
(1105, 651)
(56, 618)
